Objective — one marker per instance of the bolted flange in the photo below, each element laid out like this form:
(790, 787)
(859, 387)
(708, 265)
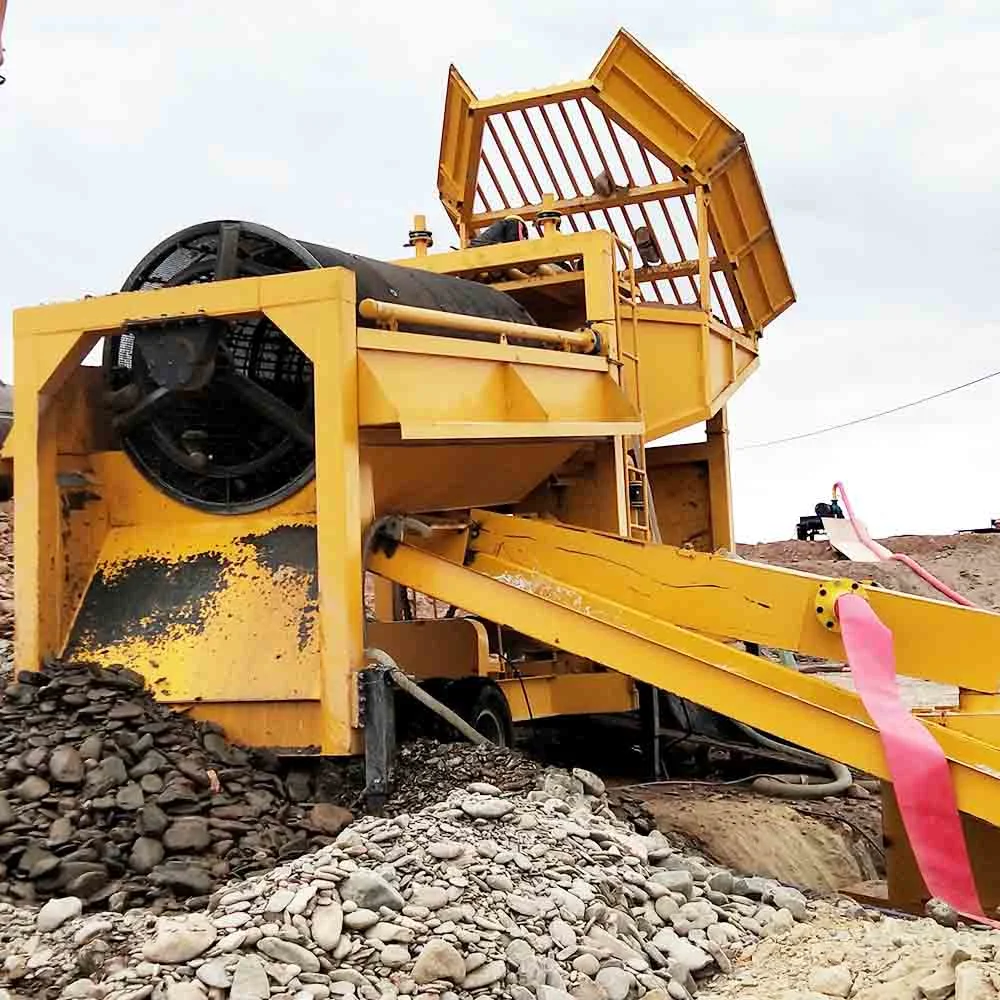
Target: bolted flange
(826, 601)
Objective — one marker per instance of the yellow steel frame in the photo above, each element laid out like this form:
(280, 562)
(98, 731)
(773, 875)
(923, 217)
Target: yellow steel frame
(314, 309)
(401, 418)
(644, 611)
(668, 119)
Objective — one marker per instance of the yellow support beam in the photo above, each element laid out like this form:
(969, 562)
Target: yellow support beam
(588, 203)
(545, 697)
(723, 595)
(556, 610)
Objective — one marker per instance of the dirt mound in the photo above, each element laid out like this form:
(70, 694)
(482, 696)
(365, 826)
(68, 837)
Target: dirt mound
(968, 563)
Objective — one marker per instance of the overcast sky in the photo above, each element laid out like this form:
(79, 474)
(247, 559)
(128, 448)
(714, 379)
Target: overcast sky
(873, 129)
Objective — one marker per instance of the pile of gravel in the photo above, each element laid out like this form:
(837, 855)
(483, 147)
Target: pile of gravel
(110, 797)
(427, 771)
(543, 896)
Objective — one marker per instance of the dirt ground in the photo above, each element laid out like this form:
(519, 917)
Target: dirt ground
(968, 563)
(825, 845)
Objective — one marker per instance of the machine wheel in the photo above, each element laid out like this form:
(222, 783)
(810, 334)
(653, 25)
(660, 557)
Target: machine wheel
(489, 714)
(483, 705)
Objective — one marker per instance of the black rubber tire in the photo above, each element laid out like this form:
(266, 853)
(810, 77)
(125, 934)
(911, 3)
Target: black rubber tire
(489, 714)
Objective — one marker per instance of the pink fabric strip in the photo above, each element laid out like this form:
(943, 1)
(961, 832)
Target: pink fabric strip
(917, 764)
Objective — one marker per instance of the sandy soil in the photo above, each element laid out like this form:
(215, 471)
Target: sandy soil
(968, 563)
(826, 845)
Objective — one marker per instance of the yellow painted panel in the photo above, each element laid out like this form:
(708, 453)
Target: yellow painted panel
(688, 367)
(170, 611)
(747, 236)
(671, 370)
(428, 477)
(434, 647)
(423, 389)
(456, 133)
(721, 365)
(576, 396)
(243, 296)
(280, 725)
(724, 596)
(569, 694)
(432, 396)
(655, 104)
(133, 500)
(220, 611)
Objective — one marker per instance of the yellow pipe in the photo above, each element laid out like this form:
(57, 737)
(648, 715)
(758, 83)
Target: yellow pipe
(387, 312)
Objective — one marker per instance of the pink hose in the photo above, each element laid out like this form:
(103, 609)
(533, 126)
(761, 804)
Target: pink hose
(882, 553)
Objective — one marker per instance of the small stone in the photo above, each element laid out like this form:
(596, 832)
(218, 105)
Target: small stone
(189, 833)
(675, 881)
(327, 925)
(179, 940)
(562, 933)
(482, 788)
(586, 964)
(80, 989)
(616, 983)
(109, 774)
(486, 807)
(216, 972)
(329, 819)
(361, 919)
(130, 797)
(250, 980)
(941, 912)
(446, 850)
(91, 930)
(780, 923)
(792, 900)
(370, 890)
(57, 911)
(587, 989)
(439, 960)
(184, 991)
(66, 766)
(523, 905)
(485, 975)
(287, 951)
(394, 956)
(279, 900)
(592, 784)
(752, 888)
(433, 897)
(32, 789)
(388, 932)
(146, 855)
(152, 820)
(833, 980)
(972, 982)
(544, 992)
(184, 879)
(937, 986)
(722, 882)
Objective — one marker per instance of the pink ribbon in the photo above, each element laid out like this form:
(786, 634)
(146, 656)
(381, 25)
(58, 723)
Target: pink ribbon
(917, 764)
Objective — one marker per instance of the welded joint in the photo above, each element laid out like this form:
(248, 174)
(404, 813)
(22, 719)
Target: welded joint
(827, 595)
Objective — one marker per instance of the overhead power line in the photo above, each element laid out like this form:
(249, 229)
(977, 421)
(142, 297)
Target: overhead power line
(871, 416)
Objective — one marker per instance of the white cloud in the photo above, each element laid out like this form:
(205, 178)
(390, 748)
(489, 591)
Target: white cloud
(871, 127)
